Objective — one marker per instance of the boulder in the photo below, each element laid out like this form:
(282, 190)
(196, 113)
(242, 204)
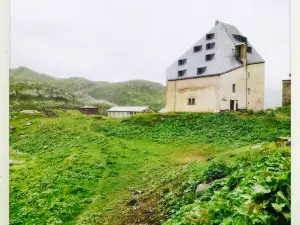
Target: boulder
(137, 192)
(12, 128)
(209, 158)
(200, 188)
(11, 162)
(22, 136)
(283, 141)
(256, 146)
(132, 202)
(30, 111)
(28, 124)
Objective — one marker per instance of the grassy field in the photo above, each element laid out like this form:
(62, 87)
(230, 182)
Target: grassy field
(77, 169)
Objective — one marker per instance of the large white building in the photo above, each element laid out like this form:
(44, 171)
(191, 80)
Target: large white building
(221, 71)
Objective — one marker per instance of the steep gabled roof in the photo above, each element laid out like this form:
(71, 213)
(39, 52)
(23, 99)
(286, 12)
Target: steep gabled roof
(88, 107)
(223, 50)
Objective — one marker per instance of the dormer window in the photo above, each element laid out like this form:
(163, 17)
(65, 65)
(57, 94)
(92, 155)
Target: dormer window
(240, 38)
(197, 48)
(210, 36)
(210, 45)
(209, 57)
(181, 73)
(181, 62)
(249, 50)
(201, 70)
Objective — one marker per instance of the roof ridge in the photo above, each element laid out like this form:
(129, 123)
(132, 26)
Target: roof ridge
(224, 27)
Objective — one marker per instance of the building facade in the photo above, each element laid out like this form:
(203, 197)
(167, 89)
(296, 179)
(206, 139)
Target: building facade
(119, 111)
(222, 71)
(286, 91)
(88, 110)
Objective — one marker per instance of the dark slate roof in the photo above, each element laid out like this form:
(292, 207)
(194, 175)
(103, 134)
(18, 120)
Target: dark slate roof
(224, 59)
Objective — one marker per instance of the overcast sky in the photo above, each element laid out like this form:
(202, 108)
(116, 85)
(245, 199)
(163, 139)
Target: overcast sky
(138, 39)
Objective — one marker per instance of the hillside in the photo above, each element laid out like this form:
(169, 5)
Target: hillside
(145, 169)
(135, 92)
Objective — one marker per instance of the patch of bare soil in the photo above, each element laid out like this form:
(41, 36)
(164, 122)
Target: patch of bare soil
(145, 212)
(192, 158)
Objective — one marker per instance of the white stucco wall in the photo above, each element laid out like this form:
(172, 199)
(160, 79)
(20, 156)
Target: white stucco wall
(120, 114)
(237, 77)
(256, 83)
(205, 91)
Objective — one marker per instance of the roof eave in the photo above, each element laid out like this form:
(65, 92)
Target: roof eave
(208, 75)
(256, 63)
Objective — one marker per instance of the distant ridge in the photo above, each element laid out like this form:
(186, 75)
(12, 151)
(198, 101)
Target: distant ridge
(132, 92)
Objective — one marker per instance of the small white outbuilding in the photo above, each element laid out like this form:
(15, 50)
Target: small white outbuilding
(123, 111)
(163, 110)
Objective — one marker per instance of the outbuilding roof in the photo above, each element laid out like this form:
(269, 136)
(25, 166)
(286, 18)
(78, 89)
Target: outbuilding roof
(224, 39)
(87, 107)
(129, 109)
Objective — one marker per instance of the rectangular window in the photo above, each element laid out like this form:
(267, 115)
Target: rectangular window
(233, 88)
(249, 50)
(209, 57)
(248, 74)
(249, 91)
(197, 48)
(210, 45)
(240, 38)
(191, 101)
(210, 36)
(181, 73)
(201, 70)
(181, 62)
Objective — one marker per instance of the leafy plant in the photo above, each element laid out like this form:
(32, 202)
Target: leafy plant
(215, 171)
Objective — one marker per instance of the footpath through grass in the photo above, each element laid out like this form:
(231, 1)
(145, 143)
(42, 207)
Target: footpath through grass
(77, 169)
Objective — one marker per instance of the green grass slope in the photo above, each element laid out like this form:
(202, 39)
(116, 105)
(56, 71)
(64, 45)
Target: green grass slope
(79, 169)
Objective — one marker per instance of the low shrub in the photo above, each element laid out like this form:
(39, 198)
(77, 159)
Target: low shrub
(215, 171)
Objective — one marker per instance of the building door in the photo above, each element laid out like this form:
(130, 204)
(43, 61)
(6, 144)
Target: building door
(236, 105)
(231, 104)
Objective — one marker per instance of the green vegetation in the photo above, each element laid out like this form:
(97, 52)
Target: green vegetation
(256, 192)
(227, 130)
(77, 169)
(135, 92)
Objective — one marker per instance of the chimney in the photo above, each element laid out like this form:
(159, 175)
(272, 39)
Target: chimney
(216, 22)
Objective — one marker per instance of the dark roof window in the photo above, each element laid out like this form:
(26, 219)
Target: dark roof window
(210, 45)
(240, 38)
(201, 70)
(181, 62)
(181, 73)
(210, 36)
(238, 50)
(197, 48)
(209, 57)
(249, 49)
